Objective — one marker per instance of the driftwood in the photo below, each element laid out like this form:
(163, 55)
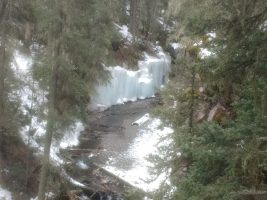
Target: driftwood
(262, 139)
(253, 195)
(123, 182)
(81, 150)
(96, 188)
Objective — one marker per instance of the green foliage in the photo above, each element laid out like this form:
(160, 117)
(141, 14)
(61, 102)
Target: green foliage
(81, 32)
(13, 17)
(222, 158)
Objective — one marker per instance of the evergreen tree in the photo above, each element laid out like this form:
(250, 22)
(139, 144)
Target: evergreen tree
(74, 38)
(14, 16)
(225, 156)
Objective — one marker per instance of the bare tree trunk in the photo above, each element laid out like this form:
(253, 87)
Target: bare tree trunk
(30, 133)
(55, 50)
(134, 17)
(50, 121)
(151, 7)
(4, 8)
(2, 79)
(191, 116)
(48, 138)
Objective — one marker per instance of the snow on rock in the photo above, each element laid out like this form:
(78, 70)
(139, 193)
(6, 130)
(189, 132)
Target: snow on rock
(176, 45)
(211, 35)
(71, 138)
(126, 85)
(124, 31)
(204, 52)
(5, 194)
(82, 165)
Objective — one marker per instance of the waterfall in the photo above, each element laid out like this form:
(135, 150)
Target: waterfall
(126, 85)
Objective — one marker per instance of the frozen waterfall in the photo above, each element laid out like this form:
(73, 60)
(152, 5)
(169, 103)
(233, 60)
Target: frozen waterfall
(126, 85)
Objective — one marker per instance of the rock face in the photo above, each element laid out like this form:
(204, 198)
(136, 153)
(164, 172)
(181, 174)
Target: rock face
(218, 113)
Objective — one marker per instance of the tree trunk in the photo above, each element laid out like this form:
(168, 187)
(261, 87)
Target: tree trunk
(2, 79)
(191, 116)
(51, 118)
(134, 17)
(3, 40)
(48, 137)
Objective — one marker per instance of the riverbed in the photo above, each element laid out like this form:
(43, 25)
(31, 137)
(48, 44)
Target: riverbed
(118, 141)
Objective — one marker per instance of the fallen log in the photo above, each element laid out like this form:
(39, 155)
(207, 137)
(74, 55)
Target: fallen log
(124, 183)
(262, 139)
(253, 194)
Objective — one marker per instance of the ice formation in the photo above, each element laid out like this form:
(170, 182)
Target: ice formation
(126, 85)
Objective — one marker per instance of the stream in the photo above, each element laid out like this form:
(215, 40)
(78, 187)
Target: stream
(115, 147)
(109, 157)
(112, 153)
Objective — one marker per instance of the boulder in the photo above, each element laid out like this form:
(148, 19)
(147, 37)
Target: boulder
(218, 113)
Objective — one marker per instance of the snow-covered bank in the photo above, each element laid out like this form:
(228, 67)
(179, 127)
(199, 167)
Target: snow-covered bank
(32, 97)
(126, 85)
(146, 143)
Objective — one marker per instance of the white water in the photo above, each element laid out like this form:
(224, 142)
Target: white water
(126, 85)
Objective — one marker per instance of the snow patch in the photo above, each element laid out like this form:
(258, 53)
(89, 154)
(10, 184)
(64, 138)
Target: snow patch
(32, 97)
(82, 165)
(5, 194)
(144, 145)
(211, 35)
(71, 138)
(205, 53)
(124, 31)
(176, 45)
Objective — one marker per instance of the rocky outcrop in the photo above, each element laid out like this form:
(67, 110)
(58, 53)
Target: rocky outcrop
(218, 114)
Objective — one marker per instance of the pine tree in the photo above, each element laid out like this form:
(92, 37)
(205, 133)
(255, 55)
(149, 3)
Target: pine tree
(14, 16)
(74, 43)
(222, 156)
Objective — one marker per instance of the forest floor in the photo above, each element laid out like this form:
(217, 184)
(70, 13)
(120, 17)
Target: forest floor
(15, 176)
